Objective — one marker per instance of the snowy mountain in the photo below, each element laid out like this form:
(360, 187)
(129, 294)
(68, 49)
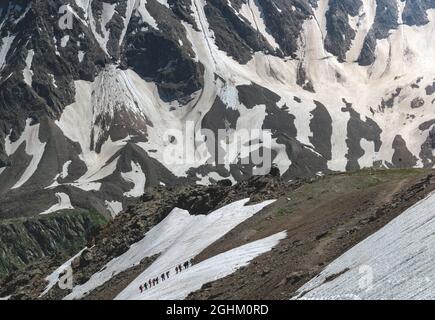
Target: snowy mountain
(88, 88)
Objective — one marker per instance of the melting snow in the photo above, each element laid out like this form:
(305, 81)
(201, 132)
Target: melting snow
(61, 175)
(116, 89)
(84, 4)
(146, 16)
(253, 12)
(28, 73)
(65, 167)
(181, 285)
(179, 237)
(362, 24)
(4, 49)
(81, 55)
(34, 148)
(114, 207)
(369, 157)
(129, 11)
(53, 80)
(78, 123)
(64, 41)
(137, 177)
(394, 263)
(63, 203)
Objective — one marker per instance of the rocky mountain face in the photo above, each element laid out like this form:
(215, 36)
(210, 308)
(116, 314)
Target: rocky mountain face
(23, 242)
(88, 89)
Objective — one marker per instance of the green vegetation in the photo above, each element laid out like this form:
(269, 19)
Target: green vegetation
(330, 186)
(25, 240)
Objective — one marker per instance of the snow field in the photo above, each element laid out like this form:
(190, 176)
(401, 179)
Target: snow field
(179, 237)
(394, 263)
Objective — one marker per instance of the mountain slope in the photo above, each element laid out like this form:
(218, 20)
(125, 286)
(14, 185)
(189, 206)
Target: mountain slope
(266, 248)
(396, 262)
(340, 85)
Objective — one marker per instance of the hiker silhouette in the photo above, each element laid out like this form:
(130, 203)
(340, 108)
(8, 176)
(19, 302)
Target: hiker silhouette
(165, 276)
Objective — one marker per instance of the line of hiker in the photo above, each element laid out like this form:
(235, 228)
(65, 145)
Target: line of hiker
(164, 276)
(186, 265)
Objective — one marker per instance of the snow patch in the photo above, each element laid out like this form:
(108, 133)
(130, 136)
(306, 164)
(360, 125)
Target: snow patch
(179, 286)
(4, 49)
(65, 167)
(369, 157)
(145, 15)
(34, 148)
(179, 237)
(114, 207)
(28, 73)
(64, 41)
(253, 12)
(106, 16)
(53, 80)
(362, 24)
(81, 56)
(137, 177)
(63, 203)
(129, 11)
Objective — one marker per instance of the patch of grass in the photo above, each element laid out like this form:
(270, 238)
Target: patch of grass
(343, 183)
(96, 217)
(282, 212)
(388, 172)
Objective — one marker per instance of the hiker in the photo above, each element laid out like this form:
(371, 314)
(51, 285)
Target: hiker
(167, 274)
(186, 265)
(180, 267)
(163, 277)
(149, 282)
(157, 280)
(146, 286)
(141, 288)
(176, 269)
